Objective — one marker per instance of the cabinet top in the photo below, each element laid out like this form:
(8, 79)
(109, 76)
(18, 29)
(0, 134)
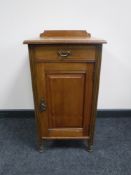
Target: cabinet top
(65, 37)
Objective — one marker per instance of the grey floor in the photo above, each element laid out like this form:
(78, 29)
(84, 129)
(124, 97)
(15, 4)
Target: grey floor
(111, 155)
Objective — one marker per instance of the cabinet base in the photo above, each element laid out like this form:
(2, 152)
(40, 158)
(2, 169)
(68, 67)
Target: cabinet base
(88, 141)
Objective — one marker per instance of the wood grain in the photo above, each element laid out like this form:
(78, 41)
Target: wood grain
(68, 82)
(65, 33)
(65, 37)
(61, 95)
(76, 52)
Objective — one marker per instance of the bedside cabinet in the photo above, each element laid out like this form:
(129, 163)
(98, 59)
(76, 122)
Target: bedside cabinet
(65, 70)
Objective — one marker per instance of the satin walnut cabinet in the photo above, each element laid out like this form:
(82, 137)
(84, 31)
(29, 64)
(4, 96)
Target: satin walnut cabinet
(65, 71)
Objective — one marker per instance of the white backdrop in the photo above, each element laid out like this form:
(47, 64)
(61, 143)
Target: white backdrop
(20, 20)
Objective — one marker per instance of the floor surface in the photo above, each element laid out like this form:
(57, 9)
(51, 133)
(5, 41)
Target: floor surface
(111, 153)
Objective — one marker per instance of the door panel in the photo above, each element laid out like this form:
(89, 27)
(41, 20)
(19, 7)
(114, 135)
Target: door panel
(67, 90)
(65, 99)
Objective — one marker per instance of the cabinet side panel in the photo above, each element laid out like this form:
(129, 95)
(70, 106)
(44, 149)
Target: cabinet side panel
(41, 98)
(95, 90)
(88, 98)
(33, 78)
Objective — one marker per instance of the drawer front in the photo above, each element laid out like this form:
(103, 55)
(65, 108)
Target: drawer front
(64, 52)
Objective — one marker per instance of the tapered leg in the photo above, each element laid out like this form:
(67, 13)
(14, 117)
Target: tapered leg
(92, 140)
(92, 137)
(89, 147)
(40, 145)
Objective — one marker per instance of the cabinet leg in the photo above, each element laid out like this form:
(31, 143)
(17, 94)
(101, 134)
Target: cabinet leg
(89, 148)
(40, 146)
(92, 140)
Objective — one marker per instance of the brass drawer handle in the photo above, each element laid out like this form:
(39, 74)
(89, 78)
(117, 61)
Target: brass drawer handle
(64, 53)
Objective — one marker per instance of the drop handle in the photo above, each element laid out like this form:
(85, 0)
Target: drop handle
(64, 53)
(42, 106)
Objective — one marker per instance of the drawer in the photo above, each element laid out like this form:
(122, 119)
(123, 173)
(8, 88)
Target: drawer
(64, 52)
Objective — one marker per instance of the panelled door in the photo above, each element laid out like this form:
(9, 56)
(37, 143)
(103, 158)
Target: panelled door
(64, 92)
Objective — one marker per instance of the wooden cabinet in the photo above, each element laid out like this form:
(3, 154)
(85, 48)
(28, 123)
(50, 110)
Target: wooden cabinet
(65, 68)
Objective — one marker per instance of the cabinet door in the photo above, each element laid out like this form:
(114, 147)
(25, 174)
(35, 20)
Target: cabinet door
(67, 91)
